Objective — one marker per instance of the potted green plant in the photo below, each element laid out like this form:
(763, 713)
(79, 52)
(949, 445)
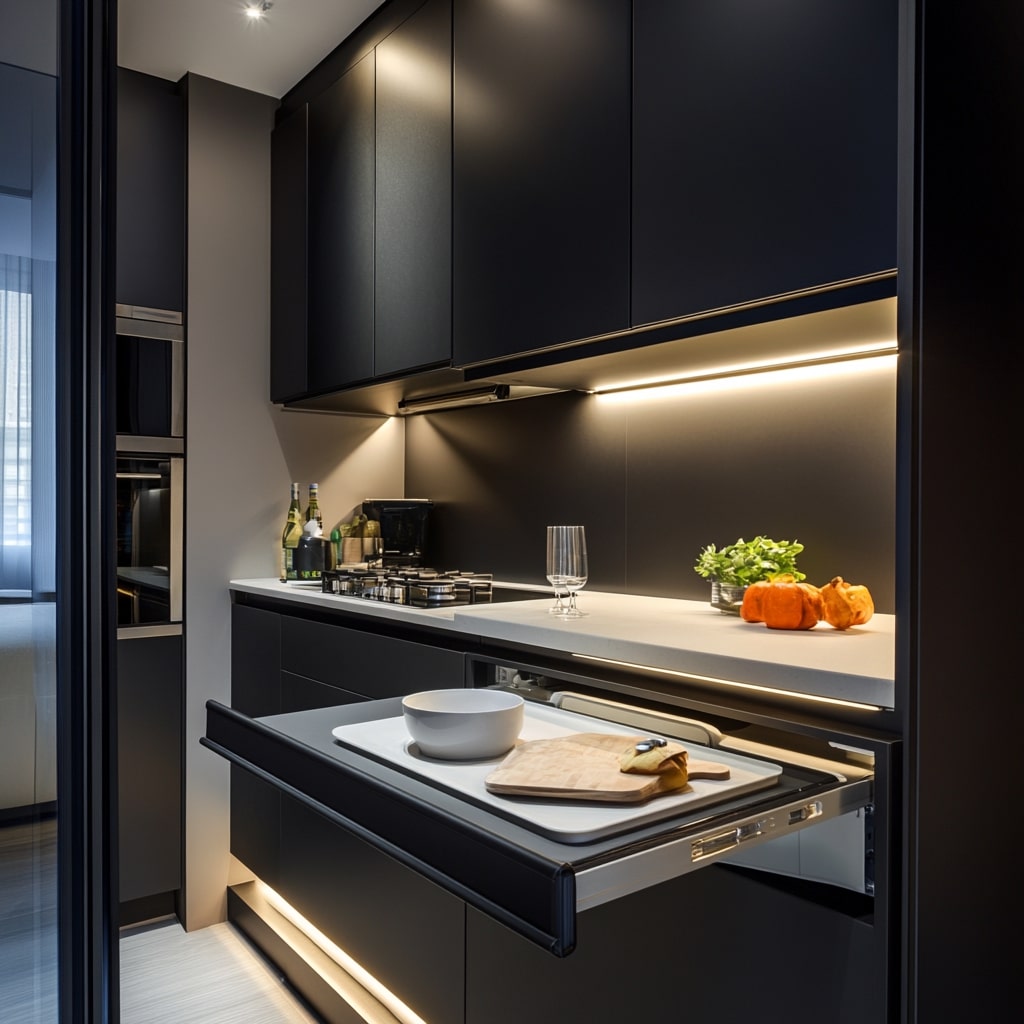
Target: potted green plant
(734, 567)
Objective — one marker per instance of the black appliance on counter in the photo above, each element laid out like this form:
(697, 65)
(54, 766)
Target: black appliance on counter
(404, 530)
(420, 588)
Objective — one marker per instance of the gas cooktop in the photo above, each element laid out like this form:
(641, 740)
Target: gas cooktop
(421, 588)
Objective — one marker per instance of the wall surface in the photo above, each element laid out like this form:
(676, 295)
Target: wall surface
(241, 452)
(656, 480)
(29, 33)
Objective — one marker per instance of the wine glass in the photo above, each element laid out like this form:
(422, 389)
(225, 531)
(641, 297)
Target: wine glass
(553, 574)
(567, 562)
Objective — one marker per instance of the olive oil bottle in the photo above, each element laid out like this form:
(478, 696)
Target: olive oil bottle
(290, 537)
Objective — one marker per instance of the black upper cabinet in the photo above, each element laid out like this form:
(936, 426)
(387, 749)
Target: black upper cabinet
(412, 326)
(341, 230)
(288, 257)
(764, 155)
(150, 254)
(541, 174)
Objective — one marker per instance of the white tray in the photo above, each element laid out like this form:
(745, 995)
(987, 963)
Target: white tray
(566, 821)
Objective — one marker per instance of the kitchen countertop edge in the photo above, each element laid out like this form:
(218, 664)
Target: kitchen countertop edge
(666, 634)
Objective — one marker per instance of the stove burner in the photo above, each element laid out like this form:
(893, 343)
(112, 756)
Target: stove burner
(420, 588)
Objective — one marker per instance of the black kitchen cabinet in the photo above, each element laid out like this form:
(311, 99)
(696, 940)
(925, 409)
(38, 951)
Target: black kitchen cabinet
(368, 665)
(150, 253)
(412, 940)
(149, 769)
(412, 284)
(409, 933)
(256, 687)
(340, 229)
(541, 174)
(288, 255)
(764, 150)
(683, 944)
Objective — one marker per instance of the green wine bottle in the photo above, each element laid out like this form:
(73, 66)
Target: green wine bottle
(313, 508)
(290, 537)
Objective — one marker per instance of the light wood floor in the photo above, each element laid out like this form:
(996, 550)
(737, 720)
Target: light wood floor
(28, 923)
(209, 976)
(168, 975)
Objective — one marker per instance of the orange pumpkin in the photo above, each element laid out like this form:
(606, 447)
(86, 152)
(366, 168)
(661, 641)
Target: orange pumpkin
(753, 600)
(846, 604)
(782, 603)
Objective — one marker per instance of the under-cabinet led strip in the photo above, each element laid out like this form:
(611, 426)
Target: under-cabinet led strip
(373, 985)
(822, 359)
(732, 682)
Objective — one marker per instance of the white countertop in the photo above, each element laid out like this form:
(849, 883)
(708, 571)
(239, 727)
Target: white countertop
(688, 637)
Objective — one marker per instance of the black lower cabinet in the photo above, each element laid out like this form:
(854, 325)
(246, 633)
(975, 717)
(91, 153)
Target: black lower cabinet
(402, 928)
(149, 769)
(715, 945)
(406, 931)
(361, 664)
(256, 691)
(357, 854)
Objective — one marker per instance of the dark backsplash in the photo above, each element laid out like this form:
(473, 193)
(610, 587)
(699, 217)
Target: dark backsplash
(654, 482)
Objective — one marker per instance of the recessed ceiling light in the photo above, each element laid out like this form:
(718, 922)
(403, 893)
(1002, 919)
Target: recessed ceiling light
(258, 10)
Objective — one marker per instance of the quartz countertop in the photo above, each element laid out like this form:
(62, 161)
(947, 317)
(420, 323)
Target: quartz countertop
(687, 637)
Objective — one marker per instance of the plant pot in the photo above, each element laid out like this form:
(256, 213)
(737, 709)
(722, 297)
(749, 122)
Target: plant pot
(726, 597)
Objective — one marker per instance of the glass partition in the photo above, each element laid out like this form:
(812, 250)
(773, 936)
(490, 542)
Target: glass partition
(28, 693)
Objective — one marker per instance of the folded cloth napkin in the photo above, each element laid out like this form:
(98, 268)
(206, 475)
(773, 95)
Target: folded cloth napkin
(662, 758)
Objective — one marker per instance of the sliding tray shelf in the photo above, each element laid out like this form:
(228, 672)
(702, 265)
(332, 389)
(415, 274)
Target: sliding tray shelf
(488, 854)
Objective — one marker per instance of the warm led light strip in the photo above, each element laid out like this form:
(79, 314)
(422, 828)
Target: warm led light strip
(732, 682)
(747, 369)
(372, 985)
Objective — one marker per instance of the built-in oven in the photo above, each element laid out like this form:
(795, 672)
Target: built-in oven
(150, 374)
(149, 538)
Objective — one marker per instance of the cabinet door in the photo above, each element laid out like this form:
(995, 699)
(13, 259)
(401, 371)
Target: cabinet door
(149, 770)
(764, 149)
(412, 322)
(288, 257)
(256, 690)
(406, 931)
(355, 663)
(150, 255)
(340, 226)
(541, 174)
(255, 661)
(689, 979)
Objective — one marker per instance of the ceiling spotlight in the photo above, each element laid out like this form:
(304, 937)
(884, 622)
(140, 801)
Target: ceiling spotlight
(258, 10)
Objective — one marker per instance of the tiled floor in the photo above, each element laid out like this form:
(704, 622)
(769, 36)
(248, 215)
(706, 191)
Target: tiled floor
(209, 976)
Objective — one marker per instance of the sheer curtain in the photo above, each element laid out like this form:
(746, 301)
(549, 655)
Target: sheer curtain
(16, 423)
(26, 440)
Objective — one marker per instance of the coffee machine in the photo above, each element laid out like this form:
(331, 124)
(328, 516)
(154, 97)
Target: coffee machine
(404, 524)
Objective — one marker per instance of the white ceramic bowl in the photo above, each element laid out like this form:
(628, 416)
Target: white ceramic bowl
(463, 725)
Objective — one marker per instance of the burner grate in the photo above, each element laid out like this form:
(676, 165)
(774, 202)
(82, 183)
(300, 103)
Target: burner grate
(421, 588)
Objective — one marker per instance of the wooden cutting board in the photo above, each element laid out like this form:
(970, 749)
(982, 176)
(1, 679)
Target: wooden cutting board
(585, 766)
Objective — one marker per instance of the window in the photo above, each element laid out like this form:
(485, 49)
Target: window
(15, 424)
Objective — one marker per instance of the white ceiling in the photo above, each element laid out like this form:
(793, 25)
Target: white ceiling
(214, 38)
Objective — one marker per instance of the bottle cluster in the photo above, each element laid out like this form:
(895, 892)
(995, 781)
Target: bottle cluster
(300, 541)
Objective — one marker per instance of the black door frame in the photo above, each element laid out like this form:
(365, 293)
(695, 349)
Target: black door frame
(88, 967)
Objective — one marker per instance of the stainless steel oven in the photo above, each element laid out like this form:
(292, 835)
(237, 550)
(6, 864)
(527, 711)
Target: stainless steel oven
(150, 375)
(149, 538)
